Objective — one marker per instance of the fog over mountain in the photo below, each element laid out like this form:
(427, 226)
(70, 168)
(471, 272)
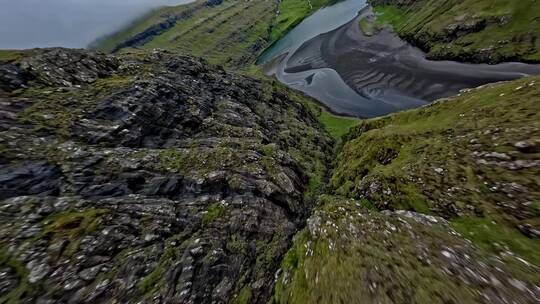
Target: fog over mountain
(67, 23)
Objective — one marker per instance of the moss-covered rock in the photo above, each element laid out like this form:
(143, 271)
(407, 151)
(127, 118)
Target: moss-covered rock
(350, 254)
(148, 177)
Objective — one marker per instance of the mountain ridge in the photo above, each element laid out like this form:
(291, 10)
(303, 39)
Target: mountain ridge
(214, 29)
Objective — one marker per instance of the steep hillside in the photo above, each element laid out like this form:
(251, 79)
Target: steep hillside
(473, 159)
(489, 31)
(467, 167)
(151, 178)
(230, 32)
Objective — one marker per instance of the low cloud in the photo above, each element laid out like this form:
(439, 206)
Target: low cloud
(67, 23)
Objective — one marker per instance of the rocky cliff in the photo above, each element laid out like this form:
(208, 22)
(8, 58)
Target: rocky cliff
(148, 178)
(467, 30)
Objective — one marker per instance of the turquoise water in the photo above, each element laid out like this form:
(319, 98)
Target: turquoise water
(322, 21)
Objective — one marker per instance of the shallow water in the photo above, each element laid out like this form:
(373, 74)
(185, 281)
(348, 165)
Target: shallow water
(322, 21)
(368, 76)
(67, 23)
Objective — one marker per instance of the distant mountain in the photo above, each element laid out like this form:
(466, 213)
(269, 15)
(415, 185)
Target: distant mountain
(230, 32)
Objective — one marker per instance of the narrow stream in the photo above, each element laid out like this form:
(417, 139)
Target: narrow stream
(368, 76)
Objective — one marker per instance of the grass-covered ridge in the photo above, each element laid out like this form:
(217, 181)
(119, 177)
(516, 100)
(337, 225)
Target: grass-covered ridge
(473, 159)
(470, 30)
(408, 193)
(232, 33)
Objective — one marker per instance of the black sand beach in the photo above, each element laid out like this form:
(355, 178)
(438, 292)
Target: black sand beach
(382, 73)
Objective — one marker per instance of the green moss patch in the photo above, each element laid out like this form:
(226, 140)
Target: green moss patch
(24, 287)
(56, 112)
(337, 125)
(213, 212)
(497, 238)
(73, 225)
(244, 296)
(10, 56)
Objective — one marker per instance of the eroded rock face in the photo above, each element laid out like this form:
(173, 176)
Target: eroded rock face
(150, 178)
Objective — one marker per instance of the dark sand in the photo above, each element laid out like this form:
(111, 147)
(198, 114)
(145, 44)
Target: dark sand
(382, 73)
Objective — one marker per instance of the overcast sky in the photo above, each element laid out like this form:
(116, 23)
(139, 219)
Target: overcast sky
(68, 23)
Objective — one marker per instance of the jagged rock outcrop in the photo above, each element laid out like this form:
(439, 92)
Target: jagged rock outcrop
(147, 178)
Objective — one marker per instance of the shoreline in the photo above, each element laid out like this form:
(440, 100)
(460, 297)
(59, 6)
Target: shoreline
(270, 69)
(386, 73)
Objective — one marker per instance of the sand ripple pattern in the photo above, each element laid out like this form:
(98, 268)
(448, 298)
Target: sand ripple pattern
(386, 73)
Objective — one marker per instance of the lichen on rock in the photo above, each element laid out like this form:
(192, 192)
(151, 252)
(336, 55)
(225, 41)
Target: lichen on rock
(148, 178)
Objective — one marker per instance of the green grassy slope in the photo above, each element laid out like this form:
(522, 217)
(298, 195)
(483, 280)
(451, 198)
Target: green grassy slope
(351, 254)
(337, 125)
(292, 12)
(474, 159)
(109, 43)
(469, 30)
(229, 33)
(232, 33)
